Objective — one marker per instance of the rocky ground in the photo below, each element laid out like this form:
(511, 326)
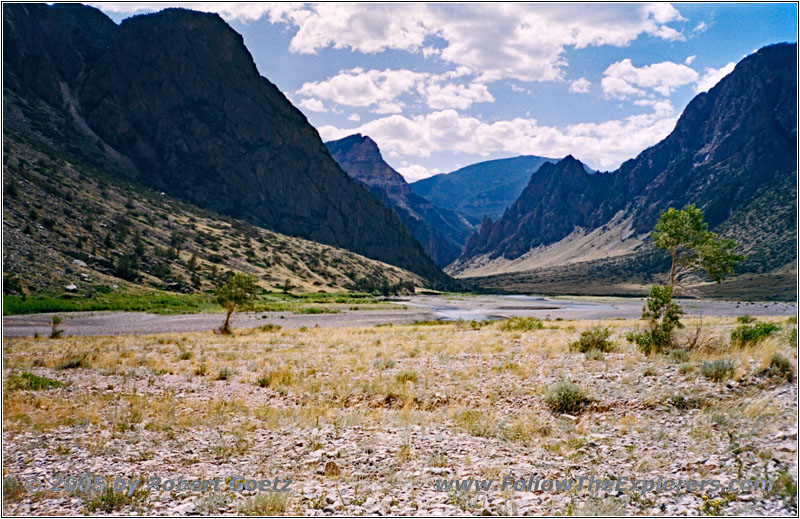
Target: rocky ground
(364, 420)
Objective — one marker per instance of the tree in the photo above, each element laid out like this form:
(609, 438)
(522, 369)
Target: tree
(692, 247)
(237, 293)
(664, 318)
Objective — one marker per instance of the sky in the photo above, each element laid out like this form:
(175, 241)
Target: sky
(441, 86)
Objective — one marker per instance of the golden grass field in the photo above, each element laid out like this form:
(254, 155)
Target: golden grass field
(364, 419)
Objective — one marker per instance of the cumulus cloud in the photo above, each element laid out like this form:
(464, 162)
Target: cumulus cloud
(608, 143)
(354, 117)
(315, 105)
(712, 76)
(359, 87)
(455, 96)
(414, 172)
(580, 85)
(520, 41)
(689, 60)
(381, 88)
(622, 79)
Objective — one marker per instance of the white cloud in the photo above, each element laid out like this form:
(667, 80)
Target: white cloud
(315, 105)
(455, 96)
(689, 60)
(622, 79)
(701, 27)
(381, 88)
(605, 144)
(712, 76)
(357, 87)
(354, 117)
(580, 85)
(522, 41)
(415, 172)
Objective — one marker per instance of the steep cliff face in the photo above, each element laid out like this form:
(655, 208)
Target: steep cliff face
(728, 151)
(441, 232)
(173, 101)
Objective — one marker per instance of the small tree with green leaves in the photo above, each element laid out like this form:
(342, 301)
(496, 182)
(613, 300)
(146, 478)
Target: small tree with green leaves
(237, 293)
(663, 319)
(693, 249)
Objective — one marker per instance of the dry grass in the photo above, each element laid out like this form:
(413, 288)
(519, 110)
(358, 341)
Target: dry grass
(484, 383)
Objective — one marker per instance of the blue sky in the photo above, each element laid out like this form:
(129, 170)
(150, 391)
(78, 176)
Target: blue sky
(441, 86)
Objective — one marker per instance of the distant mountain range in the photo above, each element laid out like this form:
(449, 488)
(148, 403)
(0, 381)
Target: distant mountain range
(173, 101)
(442, 232)
(733, 153)
(482, 189)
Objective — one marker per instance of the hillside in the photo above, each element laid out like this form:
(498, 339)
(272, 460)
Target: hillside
(441, 232)
(173, 101)
(66, 223)
(732, 153)
(482, 189)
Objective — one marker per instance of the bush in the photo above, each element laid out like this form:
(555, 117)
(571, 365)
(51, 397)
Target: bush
(521, 324)
(55, 331)
(678, 356)
(594, 339)
(566, 397)
(127, 267)
(747, 335)
(746, 319)
(664, 317)
(779, 368)
(718, 370)
(29, 381)
(270, 327)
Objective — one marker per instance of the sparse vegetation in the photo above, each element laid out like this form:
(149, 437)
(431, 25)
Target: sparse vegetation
(779, 368)
(751, 334)
(718, 370)
(524, 324)
(594, 339)
(566, 397)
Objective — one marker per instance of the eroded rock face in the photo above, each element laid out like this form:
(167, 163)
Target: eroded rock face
(441, 232)
(729, 152)
(174, 101)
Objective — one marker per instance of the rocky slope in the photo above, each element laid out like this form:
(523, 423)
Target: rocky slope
(442, 232)
(66, 224)
(173, 101)
(733, 153)
(482, 189)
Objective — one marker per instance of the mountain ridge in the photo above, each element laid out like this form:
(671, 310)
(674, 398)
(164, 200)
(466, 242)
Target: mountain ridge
(173, 101)
(441, 232)
(728, 146)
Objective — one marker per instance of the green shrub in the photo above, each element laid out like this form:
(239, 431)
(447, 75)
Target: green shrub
(718, 370)
(29, 381)
(55, 331)
(747, 335)
(746, 319)
(270, 327)
(594, 339)
(678, 356)
(779, 368)
(185, 355)
(521, 324)
(663, 316)
(224, 374)
(566, 397)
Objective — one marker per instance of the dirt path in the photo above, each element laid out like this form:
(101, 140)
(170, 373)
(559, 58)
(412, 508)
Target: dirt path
(420, 308)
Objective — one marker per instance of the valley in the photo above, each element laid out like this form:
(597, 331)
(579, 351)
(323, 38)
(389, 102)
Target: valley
(197, 284)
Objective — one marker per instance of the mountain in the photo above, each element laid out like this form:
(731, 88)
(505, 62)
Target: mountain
(482, 189)
(442, 232)
(66, 223)
(173, 101)
(732, 153)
